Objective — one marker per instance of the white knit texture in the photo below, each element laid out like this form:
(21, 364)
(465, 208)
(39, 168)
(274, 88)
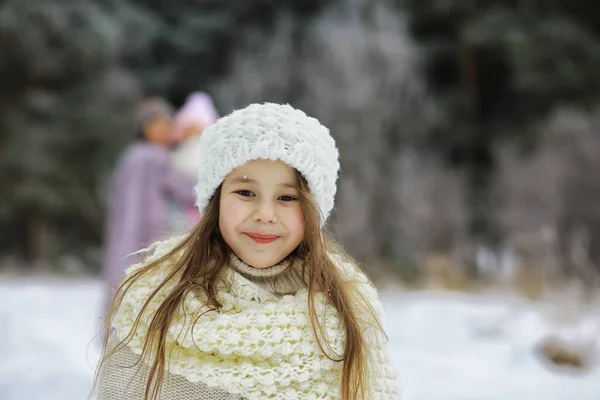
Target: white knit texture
(271, 132)
(260, 346)
(124, 376)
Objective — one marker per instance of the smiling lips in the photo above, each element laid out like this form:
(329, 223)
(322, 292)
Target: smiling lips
(262, 238)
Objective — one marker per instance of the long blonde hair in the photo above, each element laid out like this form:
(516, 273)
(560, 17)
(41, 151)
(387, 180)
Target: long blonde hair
(204, 258)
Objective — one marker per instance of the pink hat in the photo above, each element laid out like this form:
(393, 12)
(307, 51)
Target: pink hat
(198, 109)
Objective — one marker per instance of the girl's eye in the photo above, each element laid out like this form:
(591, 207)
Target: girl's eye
(287, 198)
(244, 193)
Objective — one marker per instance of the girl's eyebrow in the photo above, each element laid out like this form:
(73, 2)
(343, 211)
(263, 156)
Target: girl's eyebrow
(245, 179)
(288, 185)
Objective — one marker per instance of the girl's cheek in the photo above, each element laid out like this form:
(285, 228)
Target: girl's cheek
(294, 216)
(240, 206)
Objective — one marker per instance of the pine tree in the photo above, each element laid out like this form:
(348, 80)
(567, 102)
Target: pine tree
(496, 67)
(63, 117)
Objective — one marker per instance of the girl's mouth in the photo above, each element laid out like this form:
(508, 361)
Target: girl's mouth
(262, 238)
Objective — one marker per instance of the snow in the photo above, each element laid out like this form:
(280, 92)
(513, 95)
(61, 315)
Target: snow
(446, 346)
(452, 346)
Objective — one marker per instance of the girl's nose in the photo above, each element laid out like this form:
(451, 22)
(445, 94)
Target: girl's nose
(265, 213)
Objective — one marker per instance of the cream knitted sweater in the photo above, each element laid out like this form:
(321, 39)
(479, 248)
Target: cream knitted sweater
(259, 346)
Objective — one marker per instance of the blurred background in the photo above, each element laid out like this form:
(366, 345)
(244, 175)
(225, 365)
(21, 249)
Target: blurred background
(469, 134)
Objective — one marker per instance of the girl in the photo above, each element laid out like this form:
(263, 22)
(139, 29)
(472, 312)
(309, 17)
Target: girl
(255, 302)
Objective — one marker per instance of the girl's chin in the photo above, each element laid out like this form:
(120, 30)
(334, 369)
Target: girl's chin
(259, 262)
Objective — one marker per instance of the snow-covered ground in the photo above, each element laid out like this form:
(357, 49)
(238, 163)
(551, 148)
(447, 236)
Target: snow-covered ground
(445, 346)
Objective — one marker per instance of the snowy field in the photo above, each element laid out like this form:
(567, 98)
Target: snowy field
(445, 346)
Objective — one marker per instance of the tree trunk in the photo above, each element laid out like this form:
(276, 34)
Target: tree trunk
(37, 237)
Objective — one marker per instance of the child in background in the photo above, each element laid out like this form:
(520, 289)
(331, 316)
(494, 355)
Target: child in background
(197, 113)
(255, 302)
(144, 184)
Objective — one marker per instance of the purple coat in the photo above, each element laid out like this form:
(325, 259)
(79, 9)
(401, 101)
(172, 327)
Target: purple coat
(143, 187)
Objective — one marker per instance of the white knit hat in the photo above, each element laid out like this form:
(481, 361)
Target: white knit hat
(269, 131)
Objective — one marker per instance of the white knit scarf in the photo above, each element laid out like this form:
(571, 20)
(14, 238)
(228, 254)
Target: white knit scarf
(259, 345)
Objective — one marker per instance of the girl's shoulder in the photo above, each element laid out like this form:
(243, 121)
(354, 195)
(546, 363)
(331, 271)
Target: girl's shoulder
(147, 283)
(156, 251)
(364, 293)
(355, 276)
(349, 269)
(359, 280)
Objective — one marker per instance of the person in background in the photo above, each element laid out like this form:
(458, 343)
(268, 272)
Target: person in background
(195, 115)
(143, 186)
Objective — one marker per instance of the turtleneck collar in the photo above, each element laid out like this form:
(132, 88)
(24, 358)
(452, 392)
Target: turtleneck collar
(282, 278)
(248, 270)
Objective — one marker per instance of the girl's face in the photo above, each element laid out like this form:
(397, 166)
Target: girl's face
(159, 130)
(260, 217)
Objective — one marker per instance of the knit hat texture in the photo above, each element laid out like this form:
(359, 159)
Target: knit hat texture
(271, 132)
